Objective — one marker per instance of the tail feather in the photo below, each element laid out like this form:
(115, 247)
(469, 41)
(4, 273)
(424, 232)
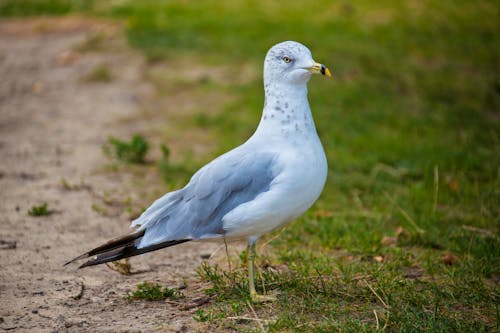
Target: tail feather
(128, 251)
(110, 245)
(120, 248)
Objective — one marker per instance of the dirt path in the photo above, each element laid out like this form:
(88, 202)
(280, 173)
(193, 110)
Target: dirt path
(53, 124)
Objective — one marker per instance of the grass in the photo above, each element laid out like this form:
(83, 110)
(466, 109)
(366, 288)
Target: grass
(100, 209)
(133, 151)
(41, 210)
(153, 292)
(100, 73)
(357, 293)
(13, 8)
(123, 267)
(405, 236)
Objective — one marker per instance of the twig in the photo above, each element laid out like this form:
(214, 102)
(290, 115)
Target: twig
(272, 238)
(255, 315)
(196, 303)
(482, 232)
(216, 250)
(376, 319)
(376, 295)
(248, 318)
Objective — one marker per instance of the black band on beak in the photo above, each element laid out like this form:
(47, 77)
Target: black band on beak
(323, 69)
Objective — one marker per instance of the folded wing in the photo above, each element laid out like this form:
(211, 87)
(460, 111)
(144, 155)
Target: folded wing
(196, 211)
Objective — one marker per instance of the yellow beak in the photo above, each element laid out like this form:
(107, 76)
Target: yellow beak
(320, 68)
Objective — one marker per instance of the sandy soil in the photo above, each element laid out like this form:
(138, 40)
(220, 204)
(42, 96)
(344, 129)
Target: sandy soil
(53, 124)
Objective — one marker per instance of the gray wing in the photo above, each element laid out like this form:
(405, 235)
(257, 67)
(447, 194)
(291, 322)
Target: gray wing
(196, 211)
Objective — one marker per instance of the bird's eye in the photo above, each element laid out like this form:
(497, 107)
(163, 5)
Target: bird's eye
(287, 59)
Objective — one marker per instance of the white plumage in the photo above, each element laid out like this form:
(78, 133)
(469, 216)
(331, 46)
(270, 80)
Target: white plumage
(284, 156)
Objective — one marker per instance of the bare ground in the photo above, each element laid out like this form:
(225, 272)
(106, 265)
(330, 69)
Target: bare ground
(53, 123)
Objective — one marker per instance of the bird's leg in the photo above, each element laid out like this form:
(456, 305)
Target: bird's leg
(227, 256)
(256, 298)
(250, 260)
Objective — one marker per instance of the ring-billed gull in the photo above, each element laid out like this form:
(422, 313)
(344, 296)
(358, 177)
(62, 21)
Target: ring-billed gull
(272, 178)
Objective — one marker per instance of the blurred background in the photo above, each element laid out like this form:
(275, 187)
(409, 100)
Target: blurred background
(409, 122)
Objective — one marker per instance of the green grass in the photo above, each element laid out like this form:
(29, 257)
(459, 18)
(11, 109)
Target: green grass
(12, 8)
(344, 293)
(133, 151)
(410, 125)
(41, 210)
(153, 292)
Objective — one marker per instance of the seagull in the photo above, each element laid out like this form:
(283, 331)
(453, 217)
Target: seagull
(268, 181)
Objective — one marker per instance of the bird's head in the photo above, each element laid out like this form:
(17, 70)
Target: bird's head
(291, 62)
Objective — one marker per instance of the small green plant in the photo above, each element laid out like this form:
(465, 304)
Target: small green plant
(100, 209)
(133, 151)
(203, 316)
(226, 285)
(123, 267)
(41, 210)
(74, 187)
(153, 292)
(100, 73)
(165, 152)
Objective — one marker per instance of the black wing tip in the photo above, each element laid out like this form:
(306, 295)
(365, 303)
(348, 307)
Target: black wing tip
(86, 264)
(113, 244)
(126, 251)
(83, 256)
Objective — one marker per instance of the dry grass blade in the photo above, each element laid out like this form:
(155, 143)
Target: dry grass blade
(376, 319)
(405, 214)
(259, 321)
(377, 295)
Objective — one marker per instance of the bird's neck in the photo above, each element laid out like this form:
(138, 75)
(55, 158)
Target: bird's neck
(286, 112)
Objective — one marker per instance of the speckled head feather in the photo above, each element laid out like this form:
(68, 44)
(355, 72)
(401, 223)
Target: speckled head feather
(288, 62)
